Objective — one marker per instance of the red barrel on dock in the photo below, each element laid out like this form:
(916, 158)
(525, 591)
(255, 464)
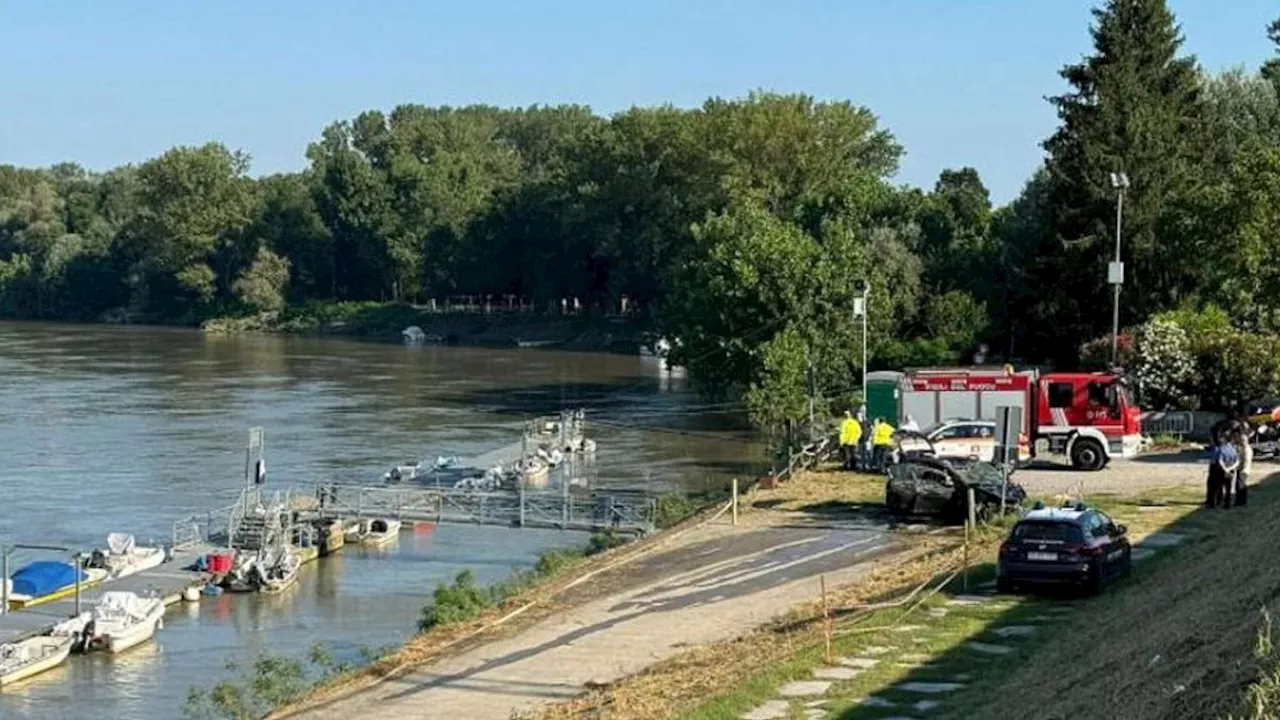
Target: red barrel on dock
(220, 563)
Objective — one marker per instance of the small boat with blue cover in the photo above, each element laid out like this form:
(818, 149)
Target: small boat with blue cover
(47, 580)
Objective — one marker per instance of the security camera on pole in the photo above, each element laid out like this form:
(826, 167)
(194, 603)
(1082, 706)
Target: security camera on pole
(1115, 270)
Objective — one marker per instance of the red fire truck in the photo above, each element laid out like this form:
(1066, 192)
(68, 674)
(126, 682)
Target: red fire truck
(1087, 417)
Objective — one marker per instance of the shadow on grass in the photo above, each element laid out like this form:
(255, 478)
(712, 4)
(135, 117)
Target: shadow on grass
(1118, 654)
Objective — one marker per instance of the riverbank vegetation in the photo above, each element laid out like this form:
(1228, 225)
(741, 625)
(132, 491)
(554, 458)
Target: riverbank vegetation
(463, 599)
(743, 227)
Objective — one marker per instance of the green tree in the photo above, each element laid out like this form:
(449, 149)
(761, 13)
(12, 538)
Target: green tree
(1134, 107)
(290, 224)
(262, 285)
(1271, 68)
(187, 241)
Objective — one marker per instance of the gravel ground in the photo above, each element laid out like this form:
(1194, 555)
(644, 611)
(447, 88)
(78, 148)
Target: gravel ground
(1120, 476)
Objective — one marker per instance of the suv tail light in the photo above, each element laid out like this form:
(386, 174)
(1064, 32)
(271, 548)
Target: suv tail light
(1007, 548)
(1082, 549)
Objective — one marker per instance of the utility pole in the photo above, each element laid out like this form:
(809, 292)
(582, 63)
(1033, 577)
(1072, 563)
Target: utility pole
(811, 382)
(1115, 271)
(860, 310)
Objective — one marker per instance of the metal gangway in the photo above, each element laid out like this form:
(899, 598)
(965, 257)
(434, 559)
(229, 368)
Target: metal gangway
(569, 509)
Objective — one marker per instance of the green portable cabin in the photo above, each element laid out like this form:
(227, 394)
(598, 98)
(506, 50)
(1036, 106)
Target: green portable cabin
(884, 397)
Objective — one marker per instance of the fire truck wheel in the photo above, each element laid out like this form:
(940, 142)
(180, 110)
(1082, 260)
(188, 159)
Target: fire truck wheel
(1087, 454)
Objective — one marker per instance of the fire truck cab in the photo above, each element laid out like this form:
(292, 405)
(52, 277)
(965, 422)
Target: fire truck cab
(1088, 418)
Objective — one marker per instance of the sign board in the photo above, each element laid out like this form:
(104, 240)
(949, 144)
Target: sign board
(1115, 273)
(1008, 428)
(968, 383)
(859, 306)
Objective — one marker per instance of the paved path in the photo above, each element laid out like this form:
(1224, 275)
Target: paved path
(717, 583)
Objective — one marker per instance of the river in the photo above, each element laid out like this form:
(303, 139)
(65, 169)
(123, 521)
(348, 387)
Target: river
(124, 429)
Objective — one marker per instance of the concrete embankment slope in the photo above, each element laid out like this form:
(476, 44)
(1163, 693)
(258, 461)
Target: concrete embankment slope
(1175, 641)
(714, 583)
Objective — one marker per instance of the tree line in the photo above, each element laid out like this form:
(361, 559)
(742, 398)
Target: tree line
(744, 227)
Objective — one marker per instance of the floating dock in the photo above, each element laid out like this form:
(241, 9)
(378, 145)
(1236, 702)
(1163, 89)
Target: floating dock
(167, 581)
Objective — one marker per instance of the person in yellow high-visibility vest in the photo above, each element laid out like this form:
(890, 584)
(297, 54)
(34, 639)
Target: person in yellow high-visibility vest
(882, 436)
(850, 435)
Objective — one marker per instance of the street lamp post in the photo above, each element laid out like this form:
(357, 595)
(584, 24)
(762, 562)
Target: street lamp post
(860, 310)
(1115, 270)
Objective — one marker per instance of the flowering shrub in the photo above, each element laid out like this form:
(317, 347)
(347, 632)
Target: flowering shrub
(1163, 364)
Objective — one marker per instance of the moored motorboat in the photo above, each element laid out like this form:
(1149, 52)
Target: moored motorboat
(281, 574)
(532, 471)
(331, 535)
(382, 532)
(355, 530)
(47, 580)
(122, 620)
(30, 657)
(122, 557)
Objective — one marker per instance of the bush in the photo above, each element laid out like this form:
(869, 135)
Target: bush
(455, 603)
(1163, 364)
(554, 562)
(1096, 354)
(674, 508)
(603, 540)
(1234, 367)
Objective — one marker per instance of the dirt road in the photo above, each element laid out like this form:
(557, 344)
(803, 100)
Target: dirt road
(716, 583)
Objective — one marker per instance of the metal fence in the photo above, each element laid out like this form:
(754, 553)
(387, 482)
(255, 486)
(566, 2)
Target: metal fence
(1173, 422)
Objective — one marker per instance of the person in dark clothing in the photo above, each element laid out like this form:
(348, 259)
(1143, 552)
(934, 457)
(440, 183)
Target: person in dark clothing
(1223, 462)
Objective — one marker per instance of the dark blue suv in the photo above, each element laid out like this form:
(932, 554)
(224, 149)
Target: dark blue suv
(1073, 545)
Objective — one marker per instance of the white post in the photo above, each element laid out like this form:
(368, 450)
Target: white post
(4, 580)
(866, 288)
(735, 501)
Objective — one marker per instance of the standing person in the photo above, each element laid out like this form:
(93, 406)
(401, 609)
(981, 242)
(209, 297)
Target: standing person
(850, 436)
(1223, 462)
(910, 424)
(883, 439)
(864, 456)
(1244, 445)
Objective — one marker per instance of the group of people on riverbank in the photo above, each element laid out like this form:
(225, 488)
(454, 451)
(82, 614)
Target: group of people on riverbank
(865, 444)
(1230, 462)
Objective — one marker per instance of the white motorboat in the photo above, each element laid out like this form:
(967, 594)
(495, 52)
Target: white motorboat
(382, 532)
(355, 530)
(280, 574)
(123, 557)
(122, 620)
(30, 657)
(532, 471)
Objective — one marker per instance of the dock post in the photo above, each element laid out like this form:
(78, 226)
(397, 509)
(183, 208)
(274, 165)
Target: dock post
(735, 501)
(521, 486)
(4, 579)
(564, 499)
(78, 572)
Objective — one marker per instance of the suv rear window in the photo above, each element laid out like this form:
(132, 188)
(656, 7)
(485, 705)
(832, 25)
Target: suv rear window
(1051, 531)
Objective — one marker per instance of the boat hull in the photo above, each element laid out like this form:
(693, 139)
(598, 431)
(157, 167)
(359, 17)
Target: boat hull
(382, 532)
(134, 636)
(44, 664)
(22, 602)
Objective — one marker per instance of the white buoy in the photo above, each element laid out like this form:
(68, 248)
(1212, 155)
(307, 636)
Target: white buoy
(191, 594)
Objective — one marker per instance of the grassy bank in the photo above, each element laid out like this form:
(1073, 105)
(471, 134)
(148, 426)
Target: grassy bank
(726, 680)
(387, 320)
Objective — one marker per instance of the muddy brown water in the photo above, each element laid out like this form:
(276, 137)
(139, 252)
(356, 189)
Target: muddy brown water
(124, 429)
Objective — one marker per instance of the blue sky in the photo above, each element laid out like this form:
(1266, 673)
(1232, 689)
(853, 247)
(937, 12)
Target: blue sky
(959, 82)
